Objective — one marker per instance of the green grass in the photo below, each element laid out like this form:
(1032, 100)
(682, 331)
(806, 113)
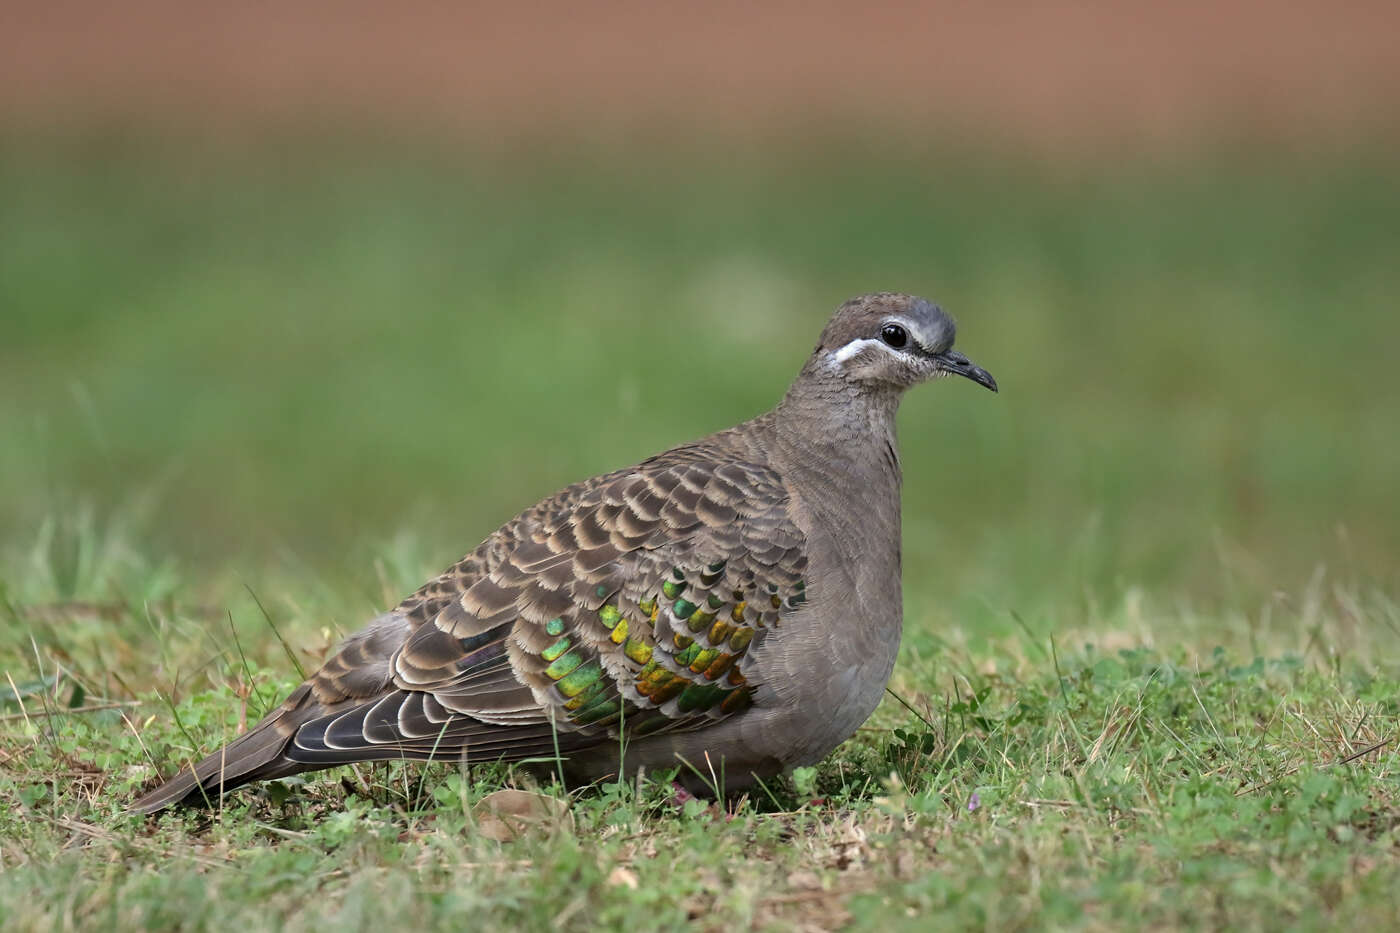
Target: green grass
(1151, 587)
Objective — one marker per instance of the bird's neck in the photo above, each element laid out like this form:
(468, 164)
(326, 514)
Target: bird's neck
(834, 441)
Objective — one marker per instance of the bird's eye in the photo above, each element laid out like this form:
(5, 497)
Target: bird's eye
(895, 336)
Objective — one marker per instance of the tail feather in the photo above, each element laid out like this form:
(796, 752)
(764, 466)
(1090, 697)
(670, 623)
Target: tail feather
(294, 738)
(254, 756)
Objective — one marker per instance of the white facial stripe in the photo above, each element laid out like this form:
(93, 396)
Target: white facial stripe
(855, 346)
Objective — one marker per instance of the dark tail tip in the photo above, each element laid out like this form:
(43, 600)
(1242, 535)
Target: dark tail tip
(183, 788)
(255, 756)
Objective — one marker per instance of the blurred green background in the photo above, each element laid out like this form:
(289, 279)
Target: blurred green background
(303, 344)
(256, 362)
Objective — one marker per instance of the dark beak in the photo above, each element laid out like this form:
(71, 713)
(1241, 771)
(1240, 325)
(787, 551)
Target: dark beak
(951, 361)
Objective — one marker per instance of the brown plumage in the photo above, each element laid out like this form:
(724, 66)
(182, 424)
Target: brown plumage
(665, 613)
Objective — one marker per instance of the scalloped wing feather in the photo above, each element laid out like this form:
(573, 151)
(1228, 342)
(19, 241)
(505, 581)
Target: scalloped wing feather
(628, 604)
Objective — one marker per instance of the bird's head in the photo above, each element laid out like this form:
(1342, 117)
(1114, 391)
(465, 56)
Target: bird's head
(889, 341)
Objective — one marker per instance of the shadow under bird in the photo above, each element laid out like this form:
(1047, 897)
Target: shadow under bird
(732, 605)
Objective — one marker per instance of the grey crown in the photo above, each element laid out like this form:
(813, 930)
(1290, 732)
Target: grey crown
(732, 605)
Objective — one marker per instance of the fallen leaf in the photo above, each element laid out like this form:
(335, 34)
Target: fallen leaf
(623, 877)
(506, 815)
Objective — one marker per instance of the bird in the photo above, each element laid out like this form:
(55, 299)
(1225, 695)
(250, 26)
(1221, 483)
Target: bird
(730, 608)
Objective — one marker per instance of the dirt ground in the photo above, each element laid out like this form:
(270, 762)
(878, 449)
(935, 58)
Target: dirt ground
(1050, 74)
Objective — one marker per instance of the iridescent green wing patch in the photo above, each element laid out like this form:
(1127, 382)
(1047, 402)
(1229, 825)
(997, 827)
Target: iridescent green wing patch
(685, 643)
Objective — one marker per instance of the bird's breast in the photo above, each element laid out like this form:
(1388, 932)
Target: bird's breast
(826, 668)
